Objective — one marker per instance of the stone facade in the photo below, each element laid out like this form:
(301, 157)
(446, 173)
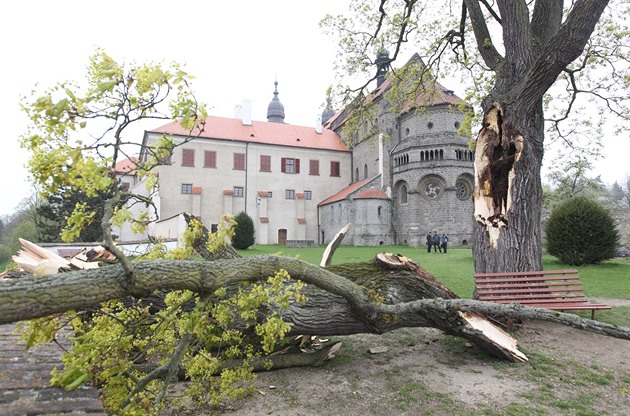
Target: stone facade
(421, 163)
(411, 175)
(364, 206)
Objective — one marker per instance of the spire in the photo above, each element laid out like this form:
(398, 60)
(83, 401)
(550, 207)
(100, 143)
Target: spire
(382, 65)
(275, 111)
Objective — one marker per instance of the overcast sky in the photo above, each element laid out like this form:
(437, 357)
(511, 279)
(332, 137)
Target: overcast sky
(236, 50)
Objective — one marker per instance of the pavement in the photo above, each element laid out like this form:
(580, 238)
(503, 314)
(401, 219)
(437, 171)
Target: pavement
(25, 381)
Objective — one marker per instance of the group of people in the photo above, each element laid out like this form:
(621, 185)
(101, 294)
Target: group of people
(438, 242)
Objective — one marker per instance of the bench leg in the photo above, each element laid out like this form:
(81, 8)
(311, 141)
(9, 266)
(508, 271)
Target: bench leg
(592, 314)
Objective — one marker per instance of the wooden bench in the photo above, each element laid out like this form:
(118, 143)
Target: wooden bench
(558, 290)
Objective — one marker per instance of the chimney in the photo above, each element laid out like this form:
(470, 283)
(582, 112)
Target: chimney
(246, 112)
(318, 124)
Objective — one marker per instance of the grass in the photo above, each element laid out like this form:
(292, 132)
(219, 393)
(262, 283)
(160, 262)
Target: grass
(551, 385)
(455, 269)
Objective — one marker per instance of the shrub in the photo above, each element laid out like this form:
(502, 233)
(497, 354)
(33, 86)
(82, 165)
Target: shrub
(580, 231)
(244, 232)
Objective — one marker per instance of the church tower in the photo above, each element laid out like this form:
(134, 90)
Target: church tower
(275, 111)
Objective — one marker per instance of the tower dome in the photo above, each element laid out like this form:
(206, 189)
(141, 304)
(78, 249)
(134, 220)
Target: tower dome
(327, 113)
(275, 111)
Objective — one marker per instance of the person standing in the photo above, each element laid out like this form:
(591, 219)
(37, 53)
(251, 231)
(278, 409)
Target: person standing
(444, 242)
(429, 242)
(436, 242)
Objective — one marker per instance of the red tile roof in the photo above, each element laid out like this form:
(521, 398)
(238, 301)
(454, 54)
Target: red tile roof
(372, 193)
(431, 93)
(343, 194)
(261, 132)
(126, 166)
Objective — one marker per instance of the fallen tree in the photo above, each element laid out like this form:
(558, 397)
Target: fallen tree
(373, 297)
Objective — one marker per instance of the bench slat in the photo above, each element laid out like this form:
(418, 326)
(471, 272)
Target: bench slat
(520, 290)
(537, 273)
(568, 279)
(523, 299)
(550, 289)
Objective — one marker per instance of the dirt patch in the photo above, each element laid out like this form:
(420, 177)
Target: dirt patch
(425, 372)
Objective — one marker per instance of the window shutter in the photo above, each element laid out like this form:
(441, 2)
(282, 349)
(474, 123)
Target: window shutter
(239, 161)
(297, 165)
(283, 165)
(210, 159)
(265, 163)
(188, 157)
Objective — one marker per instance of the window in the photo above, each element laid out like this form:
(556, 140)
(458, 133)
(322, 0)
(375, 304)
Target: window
(289, 165)
(238, 191)
(265, 163)
(289, 194)
(188, 157)
(313, 167)
(378, 211)
(334, 168)
(124, 186)
(269, 194)
(365, 171)
(187, 188)
(403, 194)
(239, 161)
(308, 195)
(210, 159)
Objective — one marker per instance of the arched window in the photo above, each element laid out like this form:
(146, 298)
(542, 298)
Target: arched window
(379, 210)
(365, 172)
(356, 175)
(441, 154)
(403, 194)
(431, 155)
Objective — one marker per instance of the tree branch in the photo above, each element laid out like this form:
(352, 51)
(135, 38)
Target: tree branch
(489, 53)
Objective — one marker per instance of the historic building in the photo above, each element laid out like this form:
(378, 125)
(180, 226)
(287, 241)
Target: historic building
(301, 185)
(415, 158)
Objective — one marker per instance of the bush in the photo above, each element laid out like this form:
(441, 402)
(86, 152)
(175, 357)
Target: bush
(580, 231)
(244, 232)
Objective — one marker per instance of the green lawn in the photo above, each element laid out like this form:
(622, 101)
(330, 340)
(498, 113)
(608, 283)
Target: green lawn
(610, 279)
(455, 269)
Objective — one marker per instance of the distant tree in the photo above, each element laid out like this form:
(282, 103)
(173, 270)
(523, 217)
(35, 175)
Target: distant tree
(53, 213)
(621, 193)
(244, 231)
(569, 178)
(580, 231)
(1, 230)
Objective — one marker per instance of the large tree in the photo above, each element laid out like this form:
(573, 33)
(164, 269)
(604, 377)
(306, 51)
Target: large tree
(525, 54)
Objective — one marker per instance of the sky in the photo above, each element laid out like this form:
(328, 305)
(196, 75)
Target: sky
(235, 50)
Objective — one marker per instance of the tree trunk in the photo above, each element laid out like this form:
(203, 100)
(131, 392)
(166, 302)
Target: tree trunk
(508, 192)
(509, 148)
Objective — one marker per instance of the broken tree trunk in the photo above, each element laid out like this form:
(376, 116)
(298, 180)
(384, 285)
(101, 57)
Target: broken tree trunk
(340, 306)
